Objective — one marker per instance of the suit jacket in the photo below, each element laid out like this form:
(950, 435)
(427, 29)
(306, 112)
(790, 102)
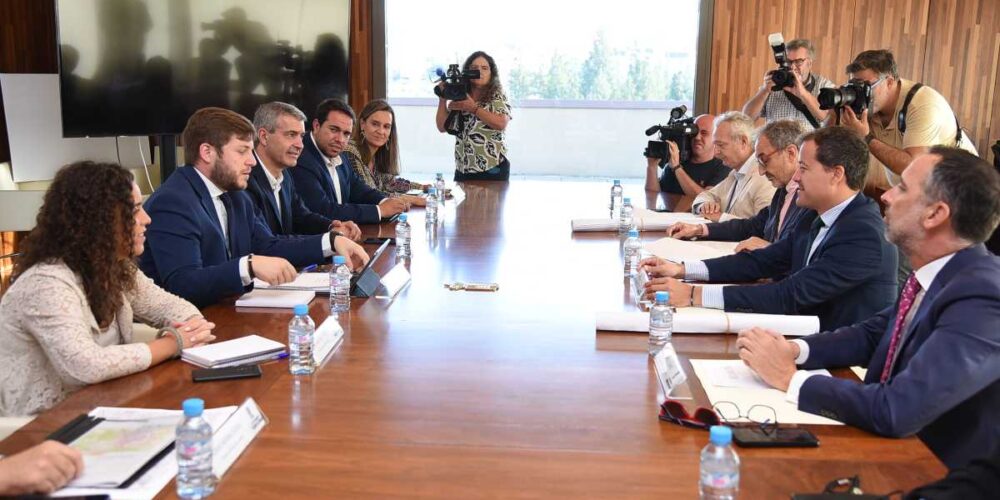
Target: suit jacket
(765, 223)
(851, 277)
(295, 218)
(945, 383)
(750, 199)
(185, 248)
(315, 186)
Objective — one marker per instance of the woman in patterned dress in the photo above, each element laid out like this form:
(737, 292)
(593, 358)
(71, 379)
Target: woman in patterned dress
(374, 152)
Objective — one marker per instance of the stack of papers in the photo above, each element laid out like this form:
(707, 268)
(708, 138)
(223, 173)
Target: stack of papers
(676, 250)
(644, 220)
(285, 299)
(313, 282)
(243, 350)
(702, 320)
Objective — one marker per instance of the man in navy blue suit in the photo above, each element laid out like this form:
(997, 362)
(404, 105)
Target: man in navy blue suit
(839, 267)
(777, 153)
(934, 357)
(206, 241)
(279, 129)
(325, 179)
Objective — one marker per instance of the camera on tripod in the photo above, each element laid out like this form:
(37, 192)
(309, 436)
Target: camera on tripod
(783, 76)
(855, 94)
(456, 82)
(680, 130)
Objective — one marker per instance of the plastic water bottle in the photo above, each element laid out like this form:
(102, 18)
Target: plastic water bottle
(340, 285)
(439, 185)
(632, 248)
(301, 331)
(194, 453)
(661, 322)
(402, 238)
(720, 466)
(625, 219)
(431, 212)
(616, 198)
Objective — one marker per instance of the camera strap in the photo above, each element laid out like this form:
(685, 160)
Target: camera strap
(901, 119)
(801, 107)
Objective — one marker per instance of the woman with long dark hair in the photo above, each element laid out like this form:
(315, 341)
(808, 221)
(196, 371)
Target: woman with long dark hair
(374, 152)
(478, 123)
(67, 316)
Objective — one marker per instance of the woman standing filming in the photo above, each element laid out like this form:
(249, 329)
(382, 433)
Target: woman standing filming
(67, 316)
(478, 124)
(374, 152)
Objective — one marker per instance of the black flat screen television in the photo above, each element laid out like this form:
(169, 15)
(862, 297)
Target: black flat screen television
(141, 67)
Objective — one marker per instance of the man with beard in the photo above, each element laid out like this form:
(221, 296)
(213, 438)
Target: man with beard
(279, 128)
(205, 240)
(934, 357)
(702, 171)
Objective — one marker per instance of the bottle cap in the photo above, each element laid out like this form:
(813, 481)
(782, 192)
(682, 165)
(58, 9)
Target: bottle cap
(628, 200)
(193, 407)
(433, 191)
(662, 297)
(339, 260)
(720, 435)
(618, 182)
(301, 309)
(633, 233)
(402, 217)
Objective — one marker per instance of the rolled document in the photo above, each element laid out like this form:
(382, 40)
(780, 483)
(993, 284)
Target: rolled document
(701, 320)
(644, 220)
(681, 251)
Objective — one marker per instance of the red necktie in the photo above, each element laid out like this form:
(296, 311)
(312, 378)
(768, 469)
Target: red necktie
(910, 290)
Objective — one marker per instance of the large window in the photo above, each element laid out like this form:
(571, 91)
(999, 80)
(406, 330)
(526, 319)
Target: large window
(583, 90)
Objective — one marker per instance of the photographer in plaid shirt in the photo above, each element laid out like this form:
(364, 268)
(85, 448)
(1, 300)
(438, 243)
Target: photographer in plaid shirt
(774, 105)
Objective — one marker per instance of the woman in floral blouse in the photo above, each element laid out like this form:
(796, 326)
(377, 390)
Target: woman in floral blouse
(480, 151)
(374, 152)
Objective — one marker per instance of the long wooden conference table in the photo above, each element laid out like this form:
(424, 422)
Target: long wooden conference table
(442, 393)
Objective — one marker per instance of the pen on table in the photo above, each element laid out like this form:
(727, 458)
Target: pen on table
(310, 267)
(276, 357)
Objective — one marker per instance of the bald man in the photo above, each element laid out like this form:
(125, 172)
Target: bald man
(702, 170)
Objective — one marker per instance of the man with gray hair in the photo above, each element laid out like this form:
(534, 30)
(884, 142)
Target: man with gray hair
(278, 132)
(798, 101)
(744, 192)
(777, 155)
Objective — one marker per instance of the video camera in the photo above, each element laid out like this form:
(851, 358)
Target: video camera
(679, 130)
(856, 94)
(456, 82)
(783, 76)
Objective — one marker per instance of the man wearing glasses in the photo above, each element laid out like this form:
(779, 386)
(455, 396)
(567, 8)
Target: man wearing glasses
(933, 358)
(797, 102)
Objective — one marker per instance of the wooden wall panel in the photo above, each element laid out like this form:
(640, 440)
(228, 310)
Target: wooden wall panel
(898, 25)
(360, 88)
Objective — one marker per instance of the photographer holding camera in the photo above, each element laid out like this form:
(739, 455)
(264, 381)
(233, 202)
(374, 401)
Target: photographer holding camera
(477, 120)
(699, 172)
(790, 91)
(905, 118)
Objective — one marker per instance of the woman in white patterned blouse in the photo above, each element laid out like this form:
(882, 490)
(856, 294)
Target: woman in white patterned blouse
(67, 317)
(374, 152)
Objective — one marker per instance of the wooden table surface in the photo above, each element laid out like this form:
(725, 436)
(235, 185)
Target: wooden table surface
(444, 393)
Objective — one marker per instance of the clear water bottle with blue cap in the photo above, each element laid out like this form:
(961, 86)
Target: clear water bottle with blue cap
(720, 466)
(632, 248)
(402, 238)
(340, 286)
(625, 220)
(194, 453)
(661, 322)
(301, 333)
(431, 211)
(616, 199)
(439, 185)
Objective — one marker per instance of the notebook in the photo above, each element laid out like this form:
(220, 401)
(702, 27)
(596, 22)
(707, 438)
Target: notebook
(315, 282)
(230, 351)
(275, 298)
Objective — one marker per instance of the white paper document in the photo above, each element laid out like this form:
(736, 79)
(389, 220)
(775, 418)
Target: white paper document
(676, 250)
(644, 220)
(285, 299)
(731, 380)
(314, 282)
(115, 450)
(703, 320)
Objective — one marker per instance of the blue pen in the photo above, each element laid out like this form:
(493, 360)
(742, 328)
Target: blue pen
(311, 267)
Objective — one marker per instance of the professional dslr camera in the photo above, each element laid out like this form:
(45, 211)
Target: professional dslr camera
(783, 76)
(679, 129)
(856, 94)
(456, 82)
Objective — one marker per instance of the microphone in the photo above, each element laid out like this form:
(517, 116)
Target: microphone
(652, 130)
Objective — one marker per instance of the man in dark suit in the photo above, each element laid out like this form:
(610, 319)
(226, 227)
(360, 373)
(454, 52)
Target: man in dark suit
(206, 240)
(325, 178)
(777, 154)
(279, 128)
(934, 357)
(839, 267)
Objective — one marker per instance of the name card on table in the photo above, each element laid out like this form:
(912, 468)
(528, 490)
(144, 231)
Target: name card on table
(235, 435)
(327, 337)
(669, 371)
(394, 281)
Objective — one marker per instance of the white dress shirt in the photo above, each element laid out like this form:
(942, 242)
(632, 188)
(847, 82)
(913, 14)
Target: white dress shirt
(331, 166)
(274, 182)
(925, 276)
